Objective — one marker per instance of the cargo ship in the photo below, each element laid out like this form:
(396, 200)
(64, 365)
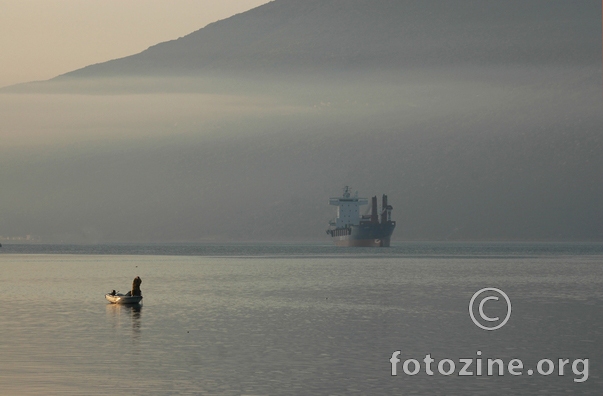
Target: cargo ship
(350, 228)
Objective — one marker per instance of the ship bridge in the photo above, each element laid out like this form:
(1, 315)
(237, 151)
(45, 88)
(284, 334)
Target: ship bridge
(348, 208)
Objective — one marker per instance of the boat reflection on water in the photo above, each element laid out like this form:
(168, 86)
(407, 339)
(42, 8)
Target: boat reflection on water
(122, 315)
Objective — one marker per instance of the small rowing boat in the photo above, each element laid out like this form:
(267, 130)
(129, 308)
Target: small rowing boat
(122, 298)
(132, 297)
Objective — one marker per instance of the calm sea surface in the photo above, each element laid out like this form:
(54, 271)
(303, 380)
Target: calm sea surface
(297, 319)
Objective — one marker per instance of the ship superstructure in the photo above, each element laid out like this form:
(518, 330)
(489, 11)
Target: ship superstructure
(350, 228)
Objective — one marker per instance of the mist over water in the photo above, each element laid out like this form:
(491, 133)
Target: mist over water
(462, 154)
(476, 129)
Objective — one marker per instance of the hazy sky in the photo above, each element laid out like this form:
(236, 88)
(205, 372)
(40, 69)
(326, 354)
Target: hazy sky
(40, 39)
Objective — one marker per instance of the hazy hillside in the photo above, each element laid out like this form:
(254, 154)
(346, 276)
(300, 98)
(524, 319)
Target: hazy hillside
(481, 119)
(320, 35)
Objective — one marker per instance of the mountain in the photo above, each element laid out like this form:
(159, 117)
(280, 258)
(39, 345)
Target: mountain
(481, 120)
(338, 35)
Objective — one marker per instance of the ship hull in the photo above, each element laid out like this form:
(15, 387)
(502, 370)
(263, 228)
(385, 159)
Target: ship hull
(364, 235)
(350, 242)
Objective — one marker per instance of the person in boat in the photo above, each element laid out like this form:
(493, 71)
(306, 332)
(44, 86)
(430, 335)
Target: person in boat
(136, 286)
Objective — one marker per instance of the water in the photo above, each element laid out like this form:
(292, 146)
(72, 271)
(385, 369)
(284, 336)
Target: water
(293, 319)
